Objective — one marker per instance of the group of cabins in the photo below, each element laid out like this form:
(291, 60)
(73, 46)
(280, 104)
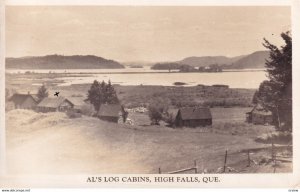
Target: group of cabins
(183, 117)
(28, 101)
(52, 104)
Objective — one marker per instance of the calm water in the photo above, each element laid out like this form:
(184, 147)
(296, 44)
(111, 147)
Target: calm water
(125, 70)
(233, 79)
(239, 79)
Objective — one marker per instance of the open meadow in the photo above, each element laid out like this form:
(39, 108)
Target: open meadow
(56, 144)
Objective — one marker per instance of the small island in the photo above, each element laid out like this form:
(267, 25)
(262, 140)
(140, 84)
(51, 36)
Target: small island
(186, 68)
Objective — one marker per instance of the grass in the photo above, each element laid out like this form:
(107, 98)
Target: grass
(88, 145)
(54, 143)
(134, 96)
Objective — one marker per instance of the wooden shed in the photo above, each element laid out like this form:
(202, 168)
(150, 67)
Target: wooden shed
(259, 115)
(193, 117)
(23, 101)
(51, 104)
(111, 112)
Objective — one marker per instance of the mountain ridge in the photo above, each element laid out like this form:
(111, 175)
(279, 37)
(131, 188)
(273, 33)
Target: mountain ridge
(253, 60)
(62, 62)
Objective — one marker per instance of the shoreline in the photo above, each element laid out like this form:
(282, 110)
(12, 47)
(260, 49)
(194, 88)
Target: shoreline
(31, 71)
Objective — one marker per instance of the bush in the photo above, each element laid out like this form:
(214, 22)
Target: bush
(156, 109)
(169, 118)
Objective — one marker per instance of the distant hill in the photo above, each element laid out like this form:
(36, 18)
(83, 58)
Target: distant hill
(62, 62)
(209, 60)
(254, 60)
(166, 66)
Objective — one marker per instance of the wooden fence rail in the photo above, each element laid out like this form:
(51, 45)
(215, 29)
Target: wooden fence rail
(225, 168)
(182, 170)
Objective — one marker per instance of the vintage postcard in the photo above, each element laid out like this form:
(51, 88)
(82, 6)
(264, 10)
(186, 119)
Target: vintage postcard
(169, 94)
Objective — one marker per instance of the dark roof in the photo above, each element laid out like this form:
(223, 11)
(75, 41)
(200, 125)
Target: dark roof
(53, 102)
(20, 98)
(259, 109)
(109, 110)
(78, 102)
(189, 113)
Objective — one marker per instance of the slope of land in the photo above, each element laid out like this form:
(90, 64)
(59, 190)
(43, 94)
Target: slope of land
(209, 60)
(251, 61)
(254, 60)
(52, 143)
(62, 62)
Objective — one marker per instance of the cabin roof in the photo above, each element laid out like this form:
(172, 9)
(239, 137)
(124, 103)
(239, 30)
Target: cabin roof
(109, 110)
(53, 102)
(20, 98)
(259, 109)
(77, 101)
(189, 113)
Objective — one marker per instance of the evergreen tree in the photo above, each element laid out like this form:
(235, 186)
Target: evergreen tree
(276, 93)
(42, 93)
(102, 93)
(94, 95)
(255, 98)
(111, 95)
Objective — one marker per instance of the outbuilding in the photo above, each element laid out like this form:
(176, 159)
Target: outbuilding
(23, 101)
(111, 112)
(259, 115)
(193, 117)
(51, 104)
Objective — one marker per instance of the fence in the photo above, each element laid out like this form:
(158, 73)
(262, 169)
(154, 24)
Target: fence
(242, 161)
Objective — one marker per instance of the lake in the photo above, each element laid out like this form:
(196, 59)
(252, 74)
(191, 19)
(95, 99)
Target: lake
(145, 76)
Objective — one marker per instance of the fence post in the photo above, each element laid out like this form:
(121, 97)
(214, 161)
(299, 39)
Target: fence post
(195, 164)
(272, 150)
(249, 161)
(274, 156)
(159, 172)
(225, 162)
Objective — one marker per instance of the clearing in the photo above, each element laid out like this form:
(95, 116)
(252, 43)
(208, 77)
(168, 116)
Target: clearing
(52, 143)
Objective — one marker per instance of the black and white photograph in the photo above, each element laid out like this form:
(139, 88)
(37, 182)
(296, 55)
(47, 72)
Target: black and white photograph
(162, 89)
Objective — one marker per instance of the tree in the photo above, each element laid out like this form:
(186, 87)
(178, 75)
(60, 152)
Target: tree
(255, 98)
(102, 93)
(95, 95)
(42, 93)
(157, 109)
(170, 119)
(111, 95)
(275, 94)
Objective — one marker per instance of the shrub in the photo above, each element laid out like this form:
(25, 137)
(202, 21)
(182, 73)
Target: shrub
(156, 109)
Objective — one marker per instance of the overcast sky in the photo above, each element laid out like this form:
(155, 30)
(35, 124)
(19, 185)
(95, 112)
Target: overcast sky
(142, 33)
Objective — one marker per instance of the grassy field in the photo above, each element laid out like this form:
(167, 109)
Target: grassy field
(133, 96)
(54, 144)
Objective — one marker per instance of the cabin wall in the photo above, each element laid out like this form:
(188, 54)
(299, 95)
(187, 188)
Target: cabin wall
(29, 103)
(110, 119)
(193, 122)
(45, 109)
(262, 119)
(65, 106)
